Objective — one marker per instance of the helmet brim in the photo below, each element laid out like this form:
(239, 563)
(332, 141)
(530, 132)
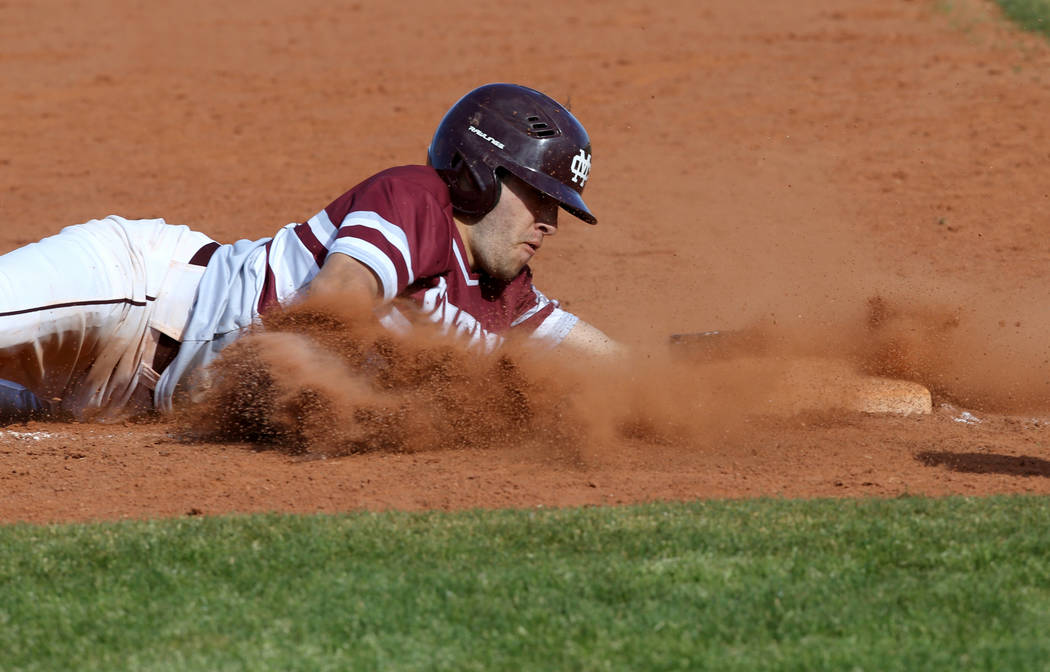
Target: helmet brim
(567, 198)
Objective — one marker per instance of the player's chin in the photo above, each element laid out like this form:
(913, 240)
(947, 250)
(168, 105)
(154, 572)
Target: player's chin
(526, 254)
(508, 271)
(514, 266)
(508, 274)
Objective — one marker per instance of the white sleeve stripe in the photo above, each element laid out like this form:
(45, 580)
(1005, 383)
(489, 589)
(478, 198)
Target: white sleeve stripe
(541, 303)
(371, 256)
(556, 327)
(394, 234)
(322, 227)
(526, 315)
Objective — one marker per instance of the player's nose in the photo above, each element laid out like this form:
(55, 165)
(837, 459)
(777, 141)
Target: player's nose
(547, 219)
(548, 229)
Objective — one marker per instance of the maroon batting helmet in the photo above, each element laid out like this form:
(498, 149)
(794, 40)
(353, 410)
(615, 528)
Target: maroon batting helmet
(506, 127)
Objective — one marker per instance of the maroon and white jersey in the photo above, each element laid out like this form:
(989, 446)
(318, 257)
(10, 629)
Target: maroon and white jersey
(399, 224)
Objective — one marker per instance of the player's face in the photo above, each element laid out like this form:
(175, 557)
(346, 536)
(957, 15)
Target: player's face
(505, 239)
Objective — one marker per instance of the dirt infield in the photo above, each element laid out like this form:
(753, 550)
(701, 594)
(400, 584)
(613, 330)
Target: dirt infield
(757, 165)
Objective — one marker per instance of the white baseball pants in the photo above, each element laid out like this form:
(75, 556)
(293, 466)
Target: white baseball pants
(81, 311)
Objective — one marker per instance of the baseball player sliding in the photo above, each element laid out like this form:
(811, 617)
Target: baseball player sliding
(107, 318)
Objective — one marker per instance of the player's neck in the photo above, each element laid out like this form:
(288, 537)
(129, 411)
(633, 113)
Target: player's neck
(466, 232)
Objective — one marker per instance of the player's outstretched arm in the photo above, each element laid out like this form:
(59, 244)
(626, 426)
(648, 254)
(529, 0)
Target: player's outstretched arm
(343, 275)
(586, 339)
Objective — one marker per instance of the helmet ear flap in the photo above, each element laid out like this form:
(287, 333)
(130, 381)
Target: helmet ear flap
(473, 188)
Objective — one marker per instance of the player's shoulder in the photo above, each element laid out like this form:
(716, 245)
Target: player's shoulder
(401, 195)
(419, 179)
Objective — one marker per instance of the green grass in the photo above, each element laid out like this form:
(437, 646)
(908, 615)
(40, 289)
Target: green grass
(900, 584)
(1033, 15)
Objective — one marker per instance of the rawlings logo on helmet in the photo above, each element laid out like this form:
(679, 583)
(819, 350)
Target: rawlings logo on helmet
(485, 136)
(581, 167)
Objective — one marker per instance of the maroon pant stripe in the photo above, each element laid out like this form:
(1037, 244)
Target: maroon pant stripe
(70, 304)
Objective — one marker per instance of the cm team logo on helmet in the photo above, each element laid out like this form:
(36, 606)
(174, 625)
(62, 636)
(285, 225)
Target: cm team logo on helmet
(581, 167)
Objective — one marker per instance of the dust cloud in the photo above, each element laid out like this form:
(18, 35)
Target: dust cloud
(327, 379)
(978, 351)
(973, 350)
